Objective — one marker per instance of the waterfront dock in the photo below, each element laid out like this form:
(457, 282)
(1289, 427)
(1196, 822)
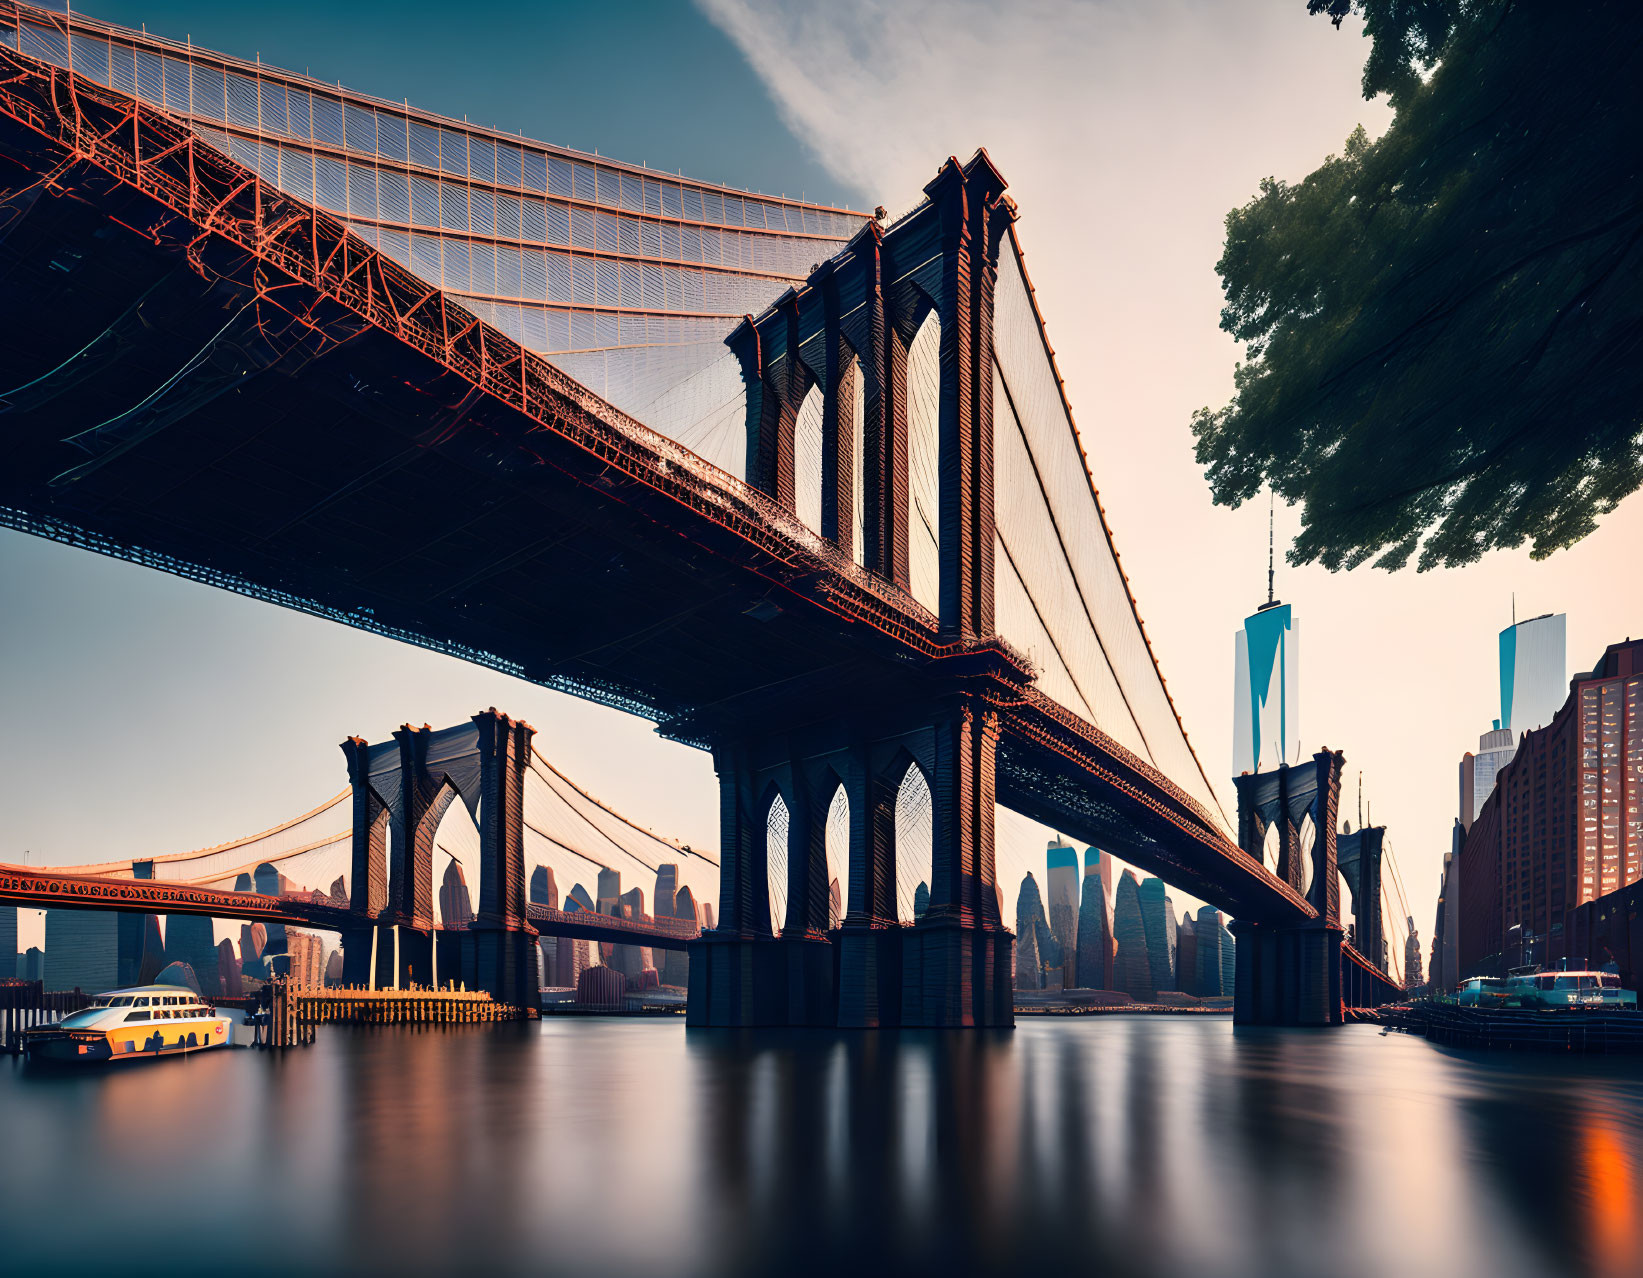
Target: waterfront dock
(295, 1011)
(1594, 1031)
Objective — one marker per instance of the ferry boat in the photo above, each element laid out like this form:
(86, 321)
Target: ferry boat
(1481, 991)
(131, 1024)
(1551, 990)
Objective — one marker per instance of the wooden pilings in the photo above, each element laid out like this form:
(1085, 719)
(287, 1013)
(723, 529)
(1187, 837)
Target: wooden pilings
(25, 1004)
(294, 1011)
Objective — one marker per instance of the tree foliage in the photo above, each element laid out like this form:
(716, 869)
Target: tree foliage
(1444, 327)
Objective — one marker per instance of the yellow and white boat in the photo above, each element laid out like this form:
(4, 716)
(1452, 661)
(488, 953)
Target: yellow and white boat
(131, 1024)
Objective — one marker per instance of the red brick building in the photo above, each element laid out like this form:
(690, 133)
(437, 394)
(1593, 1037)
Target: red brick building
(1564, 825)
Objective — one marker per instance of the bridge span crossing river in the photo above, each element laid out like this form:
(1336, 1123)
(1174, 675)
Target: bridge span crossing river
(1125, 1145)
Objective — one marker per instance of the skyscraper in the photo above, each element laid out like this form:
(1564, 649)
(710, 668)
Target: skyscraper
(631, 960)
(1229, 963)
(1412, 958)
(270, 882)
(8, 941)
(253, 936)
(305, 959)
(1132, 969)
(921, 900)
(1158, 917)
(1029, 921)
(1095, 924)
(192, 939)
(675, 964)
(1186, 956)
(455, 903)
(1207, 934)
(228, 970)
(1266, 689)
(83, 951)
(544, 890)
(1061, 885)
(1534, 673)
(667, 888)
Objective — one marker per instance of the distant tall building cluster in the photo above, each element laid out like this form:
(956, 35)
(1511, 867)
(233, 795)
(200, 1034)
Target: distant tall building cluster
(1412, 974)
(1550, 829)
(1129, 941)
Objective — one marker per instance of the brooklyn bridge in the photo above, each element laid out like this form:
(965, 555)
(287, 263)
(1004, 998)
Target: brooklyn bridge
(800, 485)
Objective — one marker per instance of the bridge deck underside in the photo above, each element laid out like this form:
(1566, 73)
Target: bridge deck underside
(327, 465)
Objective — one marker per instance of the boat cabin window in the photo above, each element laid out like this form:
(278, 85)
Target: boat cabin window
(1610, 981)
(141, 1001)
(136, 1016)
(123, 1000)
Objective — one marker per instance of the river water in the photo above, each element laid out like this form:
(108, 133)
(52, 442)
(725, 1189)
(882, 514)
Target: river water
(1118, 1145)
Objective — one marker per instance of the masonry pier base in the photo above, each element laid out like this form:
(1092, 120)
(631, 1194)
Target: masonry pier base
(1287, 976)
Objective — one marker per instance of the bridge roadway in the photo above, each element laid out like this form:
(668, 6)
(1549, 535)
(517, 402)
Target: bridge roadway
(352, 446)
(34, 889)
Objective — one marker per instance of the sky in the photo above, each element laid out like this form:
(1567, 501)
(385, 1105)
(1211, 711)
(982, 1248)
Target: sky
(145, 714)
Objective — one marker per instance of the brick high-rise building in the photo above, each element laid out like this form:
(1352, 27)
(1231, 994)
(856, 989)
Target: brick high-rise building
(1565, 822)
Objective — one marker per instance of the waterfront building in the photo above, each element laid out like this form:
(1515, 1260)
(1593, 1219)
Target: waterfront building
(192, 939)
(339, 892)
(1266, 689)
(1186, 955)
(1564, 825)
(1029, 925)
(333, 969)
(455, 902)
(228, 970)
(32, 966)
(601, 988)
(1132, 968)
(8, 942)
(1095, 924)
(84, 951)
(1061, 882)
(1229, 963)
(835, 905)
(707, 916)
(304, 958)
(1158, 918)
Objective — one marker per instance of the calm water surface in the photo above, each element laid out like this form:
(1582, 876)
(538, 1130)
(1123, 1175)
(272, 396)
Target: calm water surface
(1122, 1145)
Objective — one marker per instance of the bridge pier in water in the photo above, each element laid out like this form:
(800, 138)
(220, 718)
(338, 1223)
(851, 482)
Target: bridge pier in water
(1291, 974)
(407, 785)
(951, 967)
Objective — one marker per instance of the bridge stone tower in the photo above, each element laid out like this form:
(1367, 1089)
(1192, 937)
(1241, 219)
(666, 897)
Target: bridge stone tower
(405, 786)
(1360, 860)
(1292, 975)
(856, 318)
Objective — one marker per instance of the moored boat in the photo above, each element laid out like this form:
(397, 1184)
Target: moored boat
(144, 1021)
(1559, 990)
